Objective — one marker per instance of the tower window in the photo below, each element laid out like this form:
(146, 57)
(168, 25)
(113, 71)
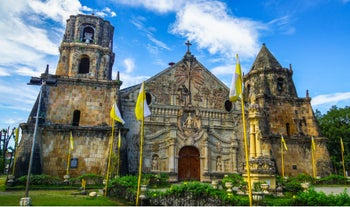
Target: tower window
(288, 129)
(280, 84)
(84, 65)
(76, 118)
(88, 34)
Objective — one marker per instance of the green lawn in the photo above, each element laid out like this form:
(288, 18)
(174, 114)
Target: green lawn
(53, 198)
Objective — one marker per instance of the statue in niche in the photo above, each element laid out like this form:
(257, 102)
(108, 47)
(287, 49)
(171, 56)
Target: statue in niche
(155, 164)
(189, 122)
(218, 164)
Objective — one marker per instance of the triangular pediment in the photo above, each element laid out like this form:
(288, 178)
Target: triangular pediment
(186, 83)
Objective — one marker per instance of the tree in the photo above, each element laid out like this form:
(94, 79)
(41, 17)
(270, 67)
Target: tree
(335, 124)
(5, 137)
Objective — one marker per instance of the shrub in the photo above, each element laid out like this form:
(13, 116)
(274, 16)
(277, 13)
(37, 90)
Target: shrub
(293, 187)
(235, 179)
(42, 179)
(124, 187)
(157, 180)
(313, 198)
(333, 179)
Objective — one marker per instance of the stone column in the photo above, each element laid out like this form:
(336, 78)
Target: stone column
(252, 141)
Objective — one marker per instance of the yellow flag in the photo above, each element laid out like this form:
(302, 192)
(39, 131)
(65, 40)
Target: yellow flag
(115, 114)
(71, 142)
(284, 143)
(141, 108)
(313, 144)
(341, 144)
(16, 135)
(236, 85)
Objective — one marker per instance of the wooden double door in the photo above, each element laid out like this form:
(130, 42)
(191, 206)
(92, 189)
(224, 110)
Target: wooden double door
(189, 164)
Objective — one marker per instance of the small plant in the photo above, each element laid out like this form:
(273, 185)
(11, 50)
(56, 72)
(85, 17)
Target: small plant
(235, 179)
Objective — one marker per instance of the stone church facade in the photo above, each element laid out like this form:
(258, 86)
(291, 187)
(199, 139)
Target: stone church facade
(193, 132)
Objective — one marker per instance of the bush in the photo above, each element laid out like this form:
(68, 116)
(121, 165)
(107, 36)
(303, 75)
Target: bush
(195, 193)
(235, 179)
(313, 198)
(333, 179)
(124, 187)
(293, 187)
(42, 179)
(90, 179)
(157, 180)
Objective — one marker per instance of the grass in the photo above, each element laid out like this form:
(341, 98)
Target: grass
(53, 198)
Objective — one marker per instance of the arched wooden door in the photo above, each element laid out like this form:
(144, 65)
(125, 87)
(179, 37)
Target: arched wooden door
(189, 165)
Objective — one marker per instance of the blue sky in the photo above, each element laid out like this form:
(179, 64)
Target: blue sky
(313, 36)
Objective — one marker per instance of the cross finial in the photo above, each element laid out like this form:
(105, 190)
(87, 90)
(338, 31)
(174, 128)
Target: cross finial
(188, 46)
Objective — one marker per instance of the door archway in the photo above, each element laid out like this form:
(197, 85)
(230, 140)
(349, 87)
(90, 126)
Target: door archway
(189, 164)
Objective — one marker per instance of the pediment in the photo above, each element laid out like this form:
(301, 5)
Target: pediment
(187, 83)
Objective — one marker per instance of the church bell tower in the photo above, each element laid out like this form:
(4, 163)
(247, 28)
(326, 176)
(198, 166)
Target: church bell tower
(86, 49)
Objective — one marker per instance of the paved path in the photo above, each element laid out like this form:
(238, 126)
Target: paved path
(334, 190)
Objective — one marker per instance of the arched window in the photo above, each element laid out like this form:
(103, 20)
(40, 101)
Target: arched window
(84, 65)
(148, 98)
(288, 129)
(88, 34)
(76, 118)
(280, 84)
(248, 89)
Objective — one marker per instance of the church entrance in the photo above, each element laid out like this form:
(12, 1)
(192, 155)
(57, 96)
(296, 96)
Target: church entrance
(189, 166)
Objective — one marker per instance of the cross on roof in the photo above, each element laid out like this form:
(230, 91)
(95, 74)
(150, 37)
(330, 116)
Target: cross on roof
(188, 45)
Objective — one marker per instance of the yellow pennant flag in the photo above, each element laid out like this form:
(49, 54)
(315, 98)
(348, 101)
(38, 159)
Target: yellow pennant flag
(16, 135)
(313, 144)
(115, 114)
(236, 85)
(284, 143)
(341, 144)
(141, 108)
(71, 141)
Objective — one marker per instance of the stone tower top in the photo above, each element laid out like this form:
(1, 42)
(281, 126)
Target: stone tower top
(267, 78)
(265, 60)
(86, 48)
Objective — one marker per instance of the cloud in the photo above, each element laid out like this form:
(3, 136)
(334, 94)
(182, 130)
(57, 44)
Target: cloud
(209, 24)
(330, 98)
(138, 22)
(130, 80)
(129, 64)
(3, 72)
(31, 32)
(161, 6)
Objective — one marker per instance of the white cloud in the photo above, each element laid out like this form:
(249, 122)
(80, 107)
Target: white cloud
(223, 70)
(3, 72)
(210, 25)
(161, 6)
(129, 65)
(138, 22)
(130, 80)
(330, 98)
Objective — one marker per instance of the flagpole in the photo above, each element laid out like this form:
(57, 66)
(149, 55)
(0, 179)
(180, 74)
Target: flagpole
(313, 157)
(69, 152)
(109, 157)
(119, 144)
(282, 157)
(342, 156)
(141, 149)
(246, 150)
